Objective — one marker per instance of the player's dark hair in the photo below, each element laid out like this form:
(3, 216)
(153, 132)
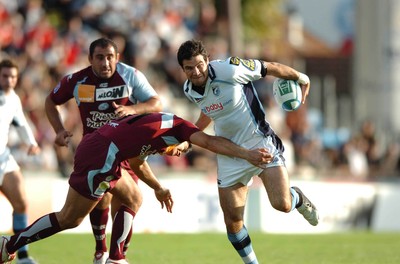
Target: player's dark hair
(191, 48)
(103, 43)
(6, 63)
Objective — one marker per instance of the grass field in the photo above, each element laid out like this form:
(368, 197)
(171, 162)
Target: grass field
(343, 248)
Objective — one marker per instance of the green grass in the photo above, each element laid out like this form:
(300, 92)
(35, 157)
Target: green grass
(343, 248)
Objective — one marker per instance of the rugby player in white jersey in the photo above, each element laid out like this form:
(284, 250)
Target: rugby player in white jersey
(12, 183)
(224, 92)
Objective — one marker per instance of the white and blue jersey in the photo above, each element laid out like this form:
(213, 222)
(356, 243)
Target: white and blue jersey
(11, 113)
(231, 101)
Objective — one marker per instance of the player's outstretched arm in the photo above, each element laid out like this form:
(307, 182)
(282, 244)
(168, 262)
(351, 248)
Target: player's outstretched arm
(203, 121)
(220, 145)
(144, 172)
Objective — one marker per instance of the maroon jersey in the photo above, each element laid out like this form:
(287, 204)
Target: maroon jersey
(143, 135)
(97, 160)
(94, 96)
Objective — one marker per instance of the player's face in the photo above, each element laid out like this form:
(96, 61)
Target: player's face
(104, 61)
(8, 78)
(196, 70)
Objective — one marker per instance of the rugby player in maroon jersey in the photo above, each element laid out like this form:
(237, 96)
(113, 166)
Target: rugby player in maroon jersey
(103, 91)
(97, 170)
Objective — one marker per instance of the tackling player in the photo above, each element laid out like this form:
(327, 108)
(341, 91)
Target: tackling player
(97, 170)
(105, 90)
(224, 92)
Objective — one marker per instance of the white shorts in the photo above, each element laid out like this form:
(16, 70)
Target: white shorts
(7, 164)
(233, 170)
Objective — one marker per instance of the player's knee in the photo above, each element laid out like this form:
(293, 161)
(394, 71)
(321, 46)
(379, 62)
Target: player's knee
(69, 222)
(234, 223)
(138, 197)
(136, 202)
(283, 205)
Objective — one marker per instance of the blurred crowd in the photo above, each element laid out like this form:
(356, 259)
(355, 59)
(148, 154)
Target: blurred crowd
(49, 39)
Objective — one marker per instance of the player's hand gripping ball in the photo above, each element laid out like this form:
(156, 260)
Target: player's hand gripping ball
(287, 94)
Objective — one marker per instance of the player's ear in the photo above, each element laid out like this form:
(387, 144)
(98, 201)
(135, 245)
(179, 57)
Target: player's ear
(117, 57)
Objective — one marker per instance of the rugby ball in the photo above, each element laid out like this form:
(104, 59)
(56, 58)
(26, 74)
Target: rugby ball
(287, 94)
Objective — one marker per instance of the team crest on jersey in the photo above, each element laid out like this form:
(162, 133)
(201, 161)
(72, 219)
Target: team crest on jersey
(103, 106)
(216, 91)
(111, 93)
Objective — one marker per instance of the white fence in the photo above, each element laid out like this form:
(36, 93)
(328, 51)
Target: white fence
(343, 206)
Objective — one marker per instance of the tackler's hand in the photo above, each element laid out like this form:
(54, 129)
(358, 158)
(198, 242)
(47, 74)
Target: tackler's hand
(259, 157)
(164, 197)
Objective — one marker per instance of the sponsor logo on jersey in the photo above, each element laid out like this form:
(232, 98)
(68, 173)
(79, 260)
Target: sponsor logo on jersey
(98, 119)
(86, 93)
(249, 64)
(145, 150)
(102, 188)
(213, 108)
(234, 61)
(111, 93)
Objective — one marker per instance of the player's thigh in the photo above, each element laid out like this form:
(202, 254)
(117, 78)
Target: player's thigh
(13, 188)
(128, 192)
(276, 183)
(75, 209)
(233, 200)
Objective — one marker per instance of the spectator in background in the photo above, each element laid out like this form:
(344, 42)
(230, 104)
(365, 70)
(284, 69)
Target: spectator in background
(69, 27)
(12, 183)
(372, 148)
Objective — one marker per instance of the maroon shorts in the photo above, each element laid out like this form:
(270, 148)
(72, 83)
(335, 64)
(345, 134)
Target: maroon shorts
(96, 167)
(125, 166)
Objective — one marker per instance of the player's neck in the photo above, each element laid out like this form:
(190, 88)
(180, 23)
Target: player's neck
(199, 89)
